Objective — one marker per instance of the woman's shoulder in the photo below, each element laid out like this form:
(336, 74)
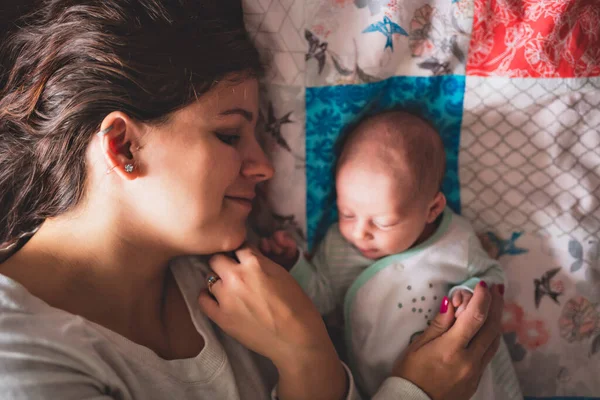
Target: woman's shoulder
(47, 353)
(36, 336)
(17, 302)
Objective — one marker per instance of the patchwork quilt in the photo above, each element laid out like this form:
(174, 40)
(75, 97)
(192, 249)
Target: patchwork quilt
(513, 86)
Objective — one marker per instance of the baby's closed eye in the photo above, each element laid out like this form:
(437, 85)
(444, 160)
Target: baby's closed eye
(385, 224)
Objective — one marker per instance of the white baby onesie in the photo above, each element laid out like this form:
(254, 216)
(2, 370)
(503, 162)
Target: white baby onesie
(389, 302)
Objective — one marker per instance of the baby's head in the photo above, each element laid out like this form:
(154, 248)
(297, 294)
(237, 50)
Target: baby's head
(388, 180)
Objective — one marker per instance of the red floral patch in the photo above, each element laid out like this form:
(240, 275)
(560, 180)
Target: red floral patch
(535, 38)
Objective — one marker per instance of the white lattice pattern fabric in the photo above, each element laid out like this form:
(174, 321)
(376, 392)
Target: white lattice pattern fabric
(277, 29)
(530, 155)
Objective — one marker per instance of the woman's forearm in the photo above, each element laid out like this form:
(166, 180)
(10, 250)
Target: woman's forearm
(319, 376)
(398, 388)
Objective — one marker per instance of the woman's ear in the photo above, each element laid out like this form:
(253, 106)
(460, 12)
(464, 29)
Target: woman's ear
(436, 207)
(119, 138)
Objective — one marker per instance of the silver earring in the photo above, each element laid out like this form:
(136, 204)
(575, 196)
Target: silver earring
(104, 131)
(129, 168)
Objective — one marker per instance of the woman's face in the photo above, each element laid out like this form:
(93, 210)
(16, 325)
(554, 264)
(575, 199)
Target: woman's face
(199, 171)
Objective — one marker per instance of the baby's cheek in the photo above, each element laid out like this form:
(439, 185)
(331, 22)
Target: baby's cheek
(397, 242)
(344, 230)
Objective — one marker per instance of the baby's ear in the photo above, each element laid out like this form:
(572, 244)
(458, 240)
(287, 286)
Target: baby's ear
(436, 207)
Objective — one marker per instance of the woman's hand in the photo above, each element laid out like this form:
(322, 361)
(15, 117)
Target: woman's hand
(448, 359)
(259, 304)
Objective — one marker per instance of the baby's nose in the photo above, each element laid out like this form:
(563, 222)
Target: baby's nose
(360, 232)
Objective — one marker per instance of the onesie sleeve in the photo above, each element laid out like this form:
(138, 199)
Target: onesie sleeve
(315, 279)
(480, 267)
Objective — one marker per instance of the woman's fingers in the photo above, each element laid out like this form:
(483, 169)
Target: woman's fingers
(213, 284)
(222, 267)
(439, 325)
(221, 264)
(447, 360)
(247, 253)
(490, 352)
(472, 318)
(210, 307)
(491, 330)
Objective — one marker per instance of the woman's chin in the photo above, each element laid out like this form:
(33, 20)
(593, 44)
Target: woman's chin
(234, 240)
(218, 240)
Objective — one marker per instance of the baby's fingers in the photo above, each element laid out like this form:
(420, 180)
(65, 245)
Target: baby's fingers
(457, 298)
(284, 240)
(275, 248)
(466, 297)
(266, 246)
(458, 301)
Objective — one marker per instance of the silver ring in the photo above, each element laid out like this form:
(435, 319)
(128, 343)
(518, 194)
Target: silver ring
(211, 280)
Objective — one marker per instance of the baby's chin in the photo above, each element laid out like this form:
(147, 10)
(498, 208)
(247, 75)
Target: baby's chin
(372, 254)
(376, 254)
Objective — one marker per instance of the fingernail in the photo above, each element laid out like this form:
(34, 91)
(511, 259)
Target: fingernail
(483, 284)
(444, 305)
(501, 289)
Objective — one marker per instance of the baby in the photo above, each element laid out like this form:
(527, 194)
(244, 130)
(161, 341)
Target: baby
(396, 251)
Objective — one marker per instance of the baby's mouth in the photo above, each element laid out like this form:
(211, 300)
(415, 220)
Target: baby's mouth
(367, 252)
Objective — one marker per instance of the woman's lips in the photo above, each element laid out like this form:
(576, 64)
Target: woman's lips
(245, 202)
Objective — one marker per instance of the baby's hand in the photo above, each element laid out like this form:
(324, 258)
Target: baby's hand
(460, 299)
(280, 248)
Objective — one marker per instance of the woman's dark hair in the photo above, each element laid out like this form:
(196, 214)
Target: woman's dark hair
(70, 63)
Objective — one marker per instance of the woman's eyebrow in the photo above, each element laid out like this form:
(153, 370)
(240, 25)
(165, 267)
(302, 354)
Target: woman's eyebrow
(240, 111)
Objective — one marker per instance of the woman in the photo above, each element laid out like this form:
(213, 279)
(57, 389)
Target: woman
(127, 137)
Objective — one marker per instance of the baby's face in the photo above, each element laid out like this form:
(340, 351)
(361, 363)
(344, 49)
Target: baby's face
(374, 214)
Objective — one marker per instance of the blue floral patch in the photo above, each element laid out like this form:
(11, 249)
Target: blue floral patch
(330, 109)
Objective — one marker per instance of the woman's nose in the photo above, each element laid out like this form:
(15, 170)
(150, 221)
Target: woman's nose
(257, 165)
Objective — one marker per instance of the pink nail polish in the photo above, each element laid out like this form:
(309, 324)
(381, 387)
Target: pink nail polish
(483, 284)
(444, 305)
(501, 289)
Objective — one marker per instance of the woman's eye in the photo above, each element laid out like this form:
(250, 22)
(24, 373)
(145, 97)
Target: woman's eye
(228, 138)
